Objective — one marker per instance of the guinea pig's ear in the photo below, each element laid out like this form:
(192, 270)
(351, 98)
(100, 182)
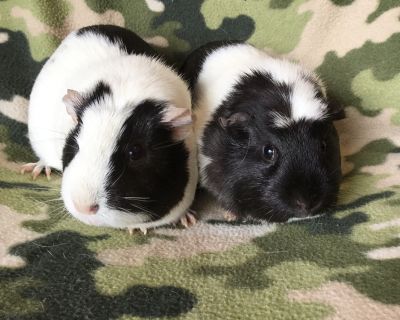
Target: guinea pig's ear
(335, 109)
(72, 100)
(236, 118)
(179, 120)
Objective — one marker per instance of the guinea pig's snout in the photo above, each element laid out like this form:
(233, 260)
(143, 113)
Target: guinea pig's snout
(86, 208)
(306, 205)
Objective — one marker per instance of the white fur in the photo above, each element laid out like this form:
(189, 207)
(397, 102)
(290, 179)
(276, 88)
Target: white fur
(204, 161)
(78, 64)
(304, 104)
(224, 67)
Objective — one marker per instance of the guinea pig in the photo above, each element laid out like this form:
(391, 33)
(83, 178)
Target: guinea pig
(109, 113)
(268, 148)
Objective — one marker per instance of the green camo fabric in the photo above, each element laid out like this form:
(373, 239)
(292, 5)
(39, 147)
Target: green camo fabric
(344, 266)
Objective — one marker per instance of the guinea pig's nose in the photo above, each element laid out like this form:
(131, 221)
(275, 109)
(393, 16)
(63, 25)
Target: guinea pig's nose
(306, 206)
(86, 209)
(301, 204)
(94, 208)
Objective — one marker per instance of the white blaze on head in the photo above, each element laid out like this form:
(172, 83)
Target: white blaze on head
(85, 177)
(304, 105)
(224, 68)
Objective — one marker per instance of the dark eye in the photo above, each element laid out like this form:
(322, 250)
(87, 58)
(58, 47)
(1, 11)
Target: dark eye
(135, 152)
(269, 153)
(323, 145)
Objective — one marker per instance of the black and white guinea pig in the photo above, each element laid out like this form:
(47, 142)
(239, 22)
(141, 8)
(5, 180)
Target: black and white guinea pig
(267, 145)
(116, 119)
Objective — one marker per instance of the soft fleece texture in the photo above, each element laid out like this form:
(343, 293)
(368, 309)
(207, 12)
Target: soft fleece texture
(345, 266)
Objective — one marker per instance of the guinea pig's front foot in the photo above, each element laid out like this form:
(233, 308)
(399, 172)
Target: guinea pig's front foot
(36, 169)
(131, 230)
(230, 216)
(189, 219)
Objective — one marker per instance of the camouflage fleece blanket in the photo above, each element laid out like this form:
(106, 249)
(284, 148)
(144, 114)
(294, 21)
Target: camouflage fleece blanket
(345, 266)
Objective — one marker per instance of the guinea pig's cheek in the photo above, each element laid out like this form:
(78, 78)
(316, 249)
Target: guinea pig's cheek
(118, 219)
(90, 220)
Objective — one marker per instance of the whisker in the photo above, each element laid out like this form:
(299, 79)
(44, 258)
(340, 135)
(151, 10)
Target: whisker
(157, 147)
(247, 151)
(152, 214)
(137, 199)
(52, 200)
(123, 171)
(56, 210)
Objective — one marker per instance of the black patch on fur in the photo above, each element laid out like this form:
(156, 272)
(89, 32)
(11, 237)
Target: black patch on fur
(193, 64)
(71, 146)
(160, 176)
(124, 38)
(268, 94)
(248, 185)
(335, 108)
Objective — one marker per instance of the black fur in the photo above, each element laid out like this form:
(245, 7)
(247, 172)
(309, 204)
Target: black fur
(159, 175)
(243, 181)
(126, 39)
(271, 96)
(71, 146)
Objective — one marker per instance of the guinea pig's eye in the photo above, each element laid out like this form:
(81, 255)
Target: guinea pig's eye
(269, 153)
(323, 145)
(135, 152)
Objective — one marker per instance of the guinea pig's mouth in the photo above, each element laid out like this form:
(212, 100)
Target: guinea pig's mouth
(294, 219)
(289, 217)
(323, 210)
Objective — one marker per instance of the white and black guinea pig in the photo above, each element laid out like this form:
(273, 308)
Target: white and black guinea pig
(267, 145)
(116, 119)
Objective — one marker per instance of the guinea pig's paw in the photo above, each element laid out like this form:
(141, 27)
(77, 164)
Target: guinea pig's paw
(230, 216)
(131, 230)
(36, 169)
(189, 219)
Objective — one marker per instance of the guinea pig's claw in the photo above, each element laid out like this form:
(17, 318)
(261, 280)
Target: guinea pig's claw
(230, 216)
(184, 222)
(188, 220)
(48, 172)
(28, 167)
(192, 218)
(131, 231)
(36, 169)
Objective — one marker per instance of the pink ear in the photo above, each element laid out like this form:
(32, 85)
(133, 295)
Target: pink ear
(180, 120)
(71, 100)
(177, 117)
